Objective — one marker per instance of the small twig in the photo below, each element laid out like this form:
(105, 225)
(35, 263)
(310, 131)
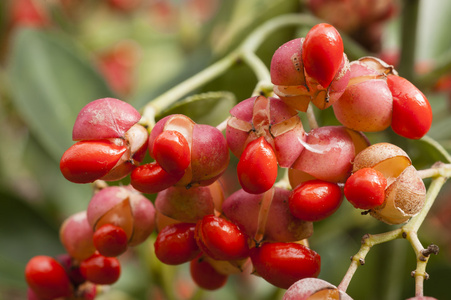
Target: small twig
(358, 259)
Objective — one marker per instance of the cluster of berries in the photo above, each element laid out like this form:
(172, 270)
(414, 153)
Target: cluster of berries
(261, 228)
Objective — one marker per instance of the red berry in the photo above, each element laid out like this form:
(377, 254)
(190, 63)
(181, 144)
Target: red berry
(205, 276)
(100, 269)
(412, 113)
(257, 168)
(151, 178)
(365, 189)
(282, 264)
(315, 200)
(322, 53)
(47, 278)
(221, 239)
(175, 244)
(110, 240)
(87, 161)
(171, 151)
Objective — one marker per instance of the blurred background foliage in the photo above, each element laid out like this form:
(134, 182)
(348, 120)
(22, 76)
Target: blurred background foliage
(58, 55)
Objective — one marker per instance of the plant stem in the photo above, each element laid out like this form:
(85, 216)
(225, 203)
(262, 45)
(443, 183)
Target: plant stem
(163, 101)
(408, 39)
(358, 259)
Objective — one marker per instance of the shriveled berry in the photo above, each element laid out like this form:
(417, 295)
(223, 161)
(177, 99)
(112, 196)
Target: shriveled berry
(412, 113)
(171, 151)
(282, 264)
(205, 276)
(87, 161)
(100, 269)
(47, 278)
(322, 53)
(315, 200)
(175, 244)
(365, 189)
(257, 168)
(110, 240)
(221, 239)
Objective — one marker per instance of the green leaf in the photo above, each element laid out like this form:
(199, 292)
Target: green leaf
(24, 233)
(50, 82)
(208, 108)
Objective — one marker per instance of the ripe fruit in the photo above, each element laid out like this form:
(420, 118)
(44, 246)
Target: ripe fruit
(315, 200)
(205, 276)
(367, 103)
(282, 264)
(405, 192)
(104, 119)
(270, 118)
(322, 53)
(76, 236)
(365, 189)
(47, 278)
(175, 244)
(110, 240)
(151, 178)
(87, 161)
(186, 205)
(124, 207)
(412, 113)
(100, 269)
(244, 209)
(257, 168)
(328, 154)
(221, 239)
(171, 151)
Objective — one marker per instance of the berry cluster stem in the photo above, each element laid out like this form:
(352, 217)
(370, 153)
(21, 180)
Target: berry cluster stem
(244, 53)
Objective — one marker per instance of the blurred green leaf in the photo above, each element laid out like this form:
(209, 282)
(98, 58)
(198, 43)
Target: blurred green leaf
(51, 82)
(24, 233)
(208, 108)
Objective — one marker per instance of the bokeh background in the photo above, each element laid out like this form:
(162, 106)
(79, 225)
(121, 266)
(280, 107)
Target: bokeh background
(58, 55)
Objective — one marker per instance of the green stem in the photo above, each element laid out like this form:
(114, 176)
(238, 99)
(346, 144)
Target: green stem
(408, 39)
(368, 241)
(156, 106)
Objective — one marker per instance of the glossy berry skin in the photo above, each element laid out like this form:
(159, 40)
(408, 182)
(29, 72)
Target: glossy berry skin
(257, 168)
(87, 161)
(282, 264)
(315, 200)
(100, 269)
(205, 276)
(171, 151)
(412, 113)
(322, 53)
(221, 239)
(47, 278)
(110, 240)
(365, 189)
(151, 178)
(175, 244)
